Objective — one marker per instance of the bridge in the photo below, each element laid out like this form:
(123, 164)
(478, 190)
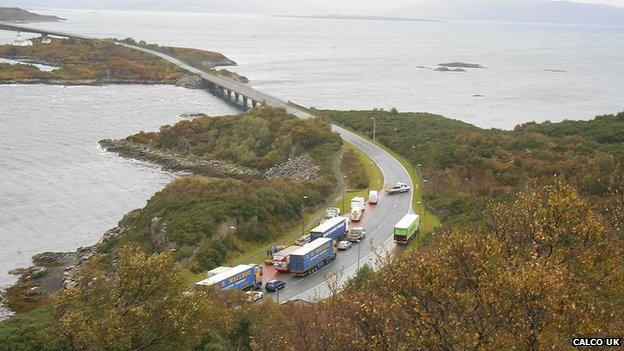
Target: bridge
(379, 223)
(227, 88)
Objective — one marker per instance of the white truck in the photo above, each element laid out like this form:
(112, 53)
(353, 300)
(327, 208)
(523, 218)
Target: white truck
(356, 234)
(358, 202)
(357, 207)
(356, 214)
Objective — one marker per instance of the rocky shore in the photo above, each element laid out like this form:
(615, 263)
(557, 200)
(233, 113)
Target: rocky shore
(178, 162)
(296, 168)
(189, 81)
(51, 272)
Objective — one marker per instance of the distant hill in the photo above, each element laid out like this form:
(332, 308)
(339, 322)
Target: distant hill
(534, 11)
(14, 14)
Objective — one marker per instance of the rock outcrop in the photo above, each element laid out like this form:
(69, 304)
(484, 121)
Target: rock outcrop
(298, 168)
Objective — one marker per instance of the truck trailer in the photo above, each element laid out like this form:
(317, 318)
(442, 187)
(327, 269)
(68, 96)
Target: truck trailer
(241, 277)
(333, 228)
(312, 256)
(281, 260)
(405, 229)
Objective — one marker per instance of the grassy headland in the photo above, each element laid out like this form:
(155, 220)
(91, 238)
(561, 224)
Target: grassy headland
(14, 14)
(93, 62)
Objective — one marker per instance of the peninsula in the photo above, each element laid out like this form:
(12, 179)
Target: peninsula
(17, 15)
(99, 62)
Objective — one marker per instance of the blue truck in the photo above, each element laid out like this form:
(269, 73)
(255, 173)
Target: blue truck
(312, 256)
(241, 277)
(333, 228)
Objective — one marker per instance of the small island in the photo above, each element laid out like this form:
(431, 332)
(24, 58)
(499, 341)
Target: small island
(17, 15)
(100, 62)
(460, 65)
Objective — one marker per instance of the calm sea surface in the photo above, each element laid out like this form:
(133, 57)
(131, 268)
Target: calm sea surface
(59, 190)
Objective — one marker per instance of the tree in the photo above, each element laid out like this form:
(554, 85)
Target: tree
(141, 304)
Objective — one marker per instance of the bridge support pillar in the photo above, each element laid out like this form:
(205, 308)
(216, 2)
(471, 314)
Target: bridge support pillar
(236, 96)
(254, 103)
(245, 104)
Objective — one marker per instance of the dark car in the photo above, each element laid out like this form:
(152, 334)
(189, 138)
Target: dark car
(274, 285)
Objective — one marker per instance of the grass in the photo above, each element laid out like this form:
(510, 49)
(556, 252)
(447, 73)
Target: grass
(376, 180)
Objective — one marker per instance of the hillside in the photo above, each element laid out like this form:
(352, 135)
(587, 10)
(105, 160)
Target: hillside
(253, 144)
(14, 14)
(537, 11)
(465, 165)
(540, 263)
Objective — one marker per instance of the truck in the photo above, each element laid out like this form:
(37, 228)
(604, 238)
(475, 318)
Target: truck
(398, 188)
(406, 228)
(373, 197)
(356, 234)
(358, 202)
(333, 228)
(304, 239)
(312, 256)
(332, 212)
(356, 214)
(281, 260)
(241, 277)
(217, 270)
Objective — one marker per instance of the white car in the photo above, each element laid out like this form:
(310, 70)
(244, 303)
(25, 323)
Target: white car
(253, 296)
(344, 245)
(398, 188)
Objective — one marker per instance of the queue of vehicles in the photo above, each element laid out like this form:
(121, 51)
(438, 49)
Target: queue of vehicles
(310, 252)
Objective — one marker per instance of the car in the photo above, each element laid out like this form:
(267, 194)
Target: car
(344, 245)
(253, 296)
(274, 285)
(398, 188)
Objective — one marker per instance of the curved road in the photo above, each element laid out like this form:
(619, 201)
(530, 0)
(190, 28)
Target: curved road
(379, 226)
(379, 223)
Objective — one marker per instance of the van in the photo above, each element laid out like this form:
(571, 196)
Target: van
(373, 197)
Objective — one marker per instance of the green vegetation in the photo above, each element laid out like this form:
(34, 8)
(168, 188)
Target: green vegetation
(532, 254)
(543, 267)
(354, 170)
(260, 139)
(361, 176)
(202, 59)
(102, 61)
(193, 215)
(463, 165)
(80, 60)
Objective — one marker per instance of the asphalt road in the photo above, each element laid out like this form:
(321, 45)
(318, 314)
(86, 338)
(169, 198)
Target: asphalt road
(379, 223)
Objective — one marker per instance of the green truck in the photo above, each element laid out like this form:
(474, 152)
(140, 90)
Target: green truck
(406, 228)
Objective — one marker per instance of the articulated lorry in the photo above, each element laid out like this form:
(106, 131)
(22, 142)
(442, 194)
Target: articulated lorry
(406, 228)
(241, 277)
(333, 228)
(312, 256)
(281, 260)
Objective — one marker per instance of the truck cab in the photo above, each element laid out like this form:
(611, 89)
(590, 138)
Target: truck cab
(356, 234)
